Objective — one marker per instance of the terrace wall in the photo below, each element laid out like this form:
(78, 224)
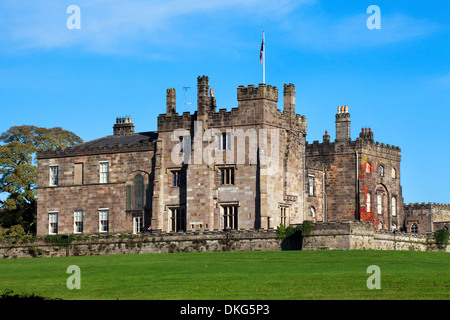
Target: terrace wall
(324, 236)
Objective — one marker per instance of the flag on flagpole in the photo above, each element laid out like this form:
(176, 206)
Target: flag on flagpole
(261, 53)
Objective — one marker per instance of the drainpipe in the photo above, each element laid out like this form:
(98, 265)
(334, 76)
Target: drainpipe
(324, 202)
(357, 188)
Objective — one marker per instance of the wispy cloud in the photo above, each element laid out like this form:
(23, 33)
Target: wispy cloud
(127, 27)
(114, 26)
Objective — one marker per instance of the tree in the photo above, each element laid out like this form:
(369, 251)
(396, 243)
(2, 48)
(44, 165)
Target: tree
(18, 170)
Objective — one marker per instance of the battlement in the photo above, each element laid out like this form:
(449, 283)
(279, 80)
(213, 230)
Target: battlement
(429, 205)
(247, 113)
(263, 91)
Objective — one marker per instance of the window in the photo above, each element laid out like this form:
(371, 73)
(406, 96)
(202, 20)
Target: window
(394, 206)
(381, 171)
(181, 144)
(227, 176)
(368, 202)
(393, 173)
(53, 176)
(53, 223)
(224, 141)
(367, 167)
(313, 212)
(137, 224)
(178, 178)
(284, 215)
(138, 182)
(78, 173)
(230, 217)
(178, 219)
(103, 220)
(379, 200)
(78, 221)
(104, 172)
(414, 228)
(311, 185)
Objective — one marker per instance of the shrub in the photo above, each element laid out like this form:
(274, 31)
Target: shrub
(441, 237)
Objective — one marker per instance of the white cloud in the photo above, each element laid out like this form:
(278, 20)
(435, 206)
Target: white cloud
(116, 26)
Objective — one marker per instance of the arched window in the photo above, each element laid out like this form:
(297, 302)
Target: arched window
(368, 202)
(414, 228)
(381, 171)
(313, 212)
(394, 173)
(367, 167)
(379, 203)
(394, 206)
(138, 182)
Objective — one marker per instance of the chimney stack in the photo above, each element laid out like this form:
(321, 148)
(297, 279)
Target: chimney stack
(123, 126)
(343, 124)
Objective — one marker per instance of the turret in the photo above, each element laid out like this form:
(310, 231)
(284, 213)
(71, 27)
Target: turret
(171, 101)
(289, 103)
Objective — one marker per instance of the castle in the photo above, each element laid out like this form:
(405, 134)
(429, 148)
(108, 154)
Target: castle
(247, 168)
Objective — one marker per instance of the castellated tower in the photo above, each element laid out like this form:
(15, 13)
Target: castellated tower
(255, 177)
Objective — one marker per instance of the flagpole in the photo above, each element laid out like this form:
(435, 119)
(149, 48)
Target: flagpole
(264, 59)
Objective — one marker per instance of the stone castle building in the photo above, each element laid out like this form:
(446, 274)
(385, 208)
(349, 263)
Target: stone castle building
(247, 168)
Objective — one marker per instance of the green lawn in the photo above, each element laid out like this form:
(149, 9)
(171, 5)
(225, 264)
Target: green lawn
(258, 275)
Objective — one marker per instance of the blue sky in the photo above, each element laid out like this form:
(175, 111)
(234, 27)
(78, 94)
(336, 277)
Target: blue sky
(395, 80)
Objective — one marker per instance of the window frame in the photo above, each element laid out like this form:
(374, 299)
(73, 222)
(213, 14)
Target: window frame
(381, 170)
(379, 203)
(230, 215)
(394, 206)
(100, 220)
(55, 221)
(311, 185)
(104, 173)
(78, 219)
(227, 176)
(368, 202)
(52, 181)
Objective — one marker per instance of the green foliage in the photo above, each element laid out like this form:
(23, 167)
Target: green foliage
(306, 227)
(292, 238)
(60, 239)
(441, 237)
(18, 170)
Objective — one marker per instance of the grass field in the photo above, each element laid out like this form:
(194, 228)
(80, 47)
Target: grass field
(283, 275)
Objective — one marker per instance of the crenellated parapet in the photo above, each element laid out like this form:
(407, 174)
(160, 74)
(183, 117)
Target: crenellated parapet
(263, 91)
(425, 206)
(256, 106)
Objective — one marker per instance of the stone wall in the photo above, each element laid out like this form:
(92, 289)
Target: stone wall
(144, 243)
(324, 236)
(349, 235)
